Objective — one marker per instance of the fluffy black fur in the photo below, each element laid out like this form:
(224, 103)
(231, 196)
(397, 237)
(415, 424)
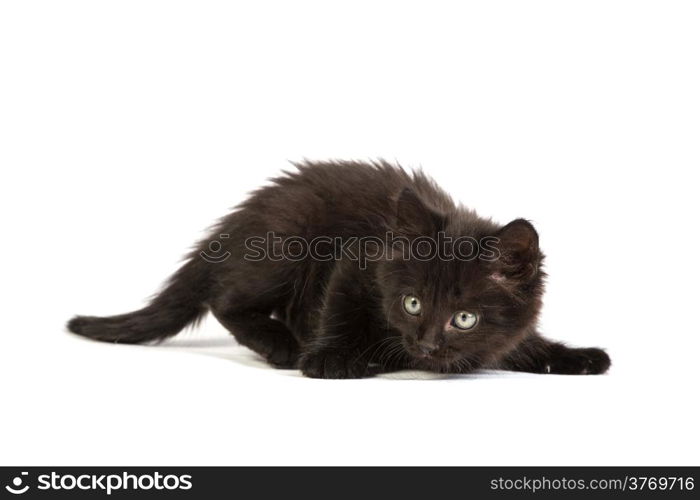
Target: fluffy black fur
(334, 319)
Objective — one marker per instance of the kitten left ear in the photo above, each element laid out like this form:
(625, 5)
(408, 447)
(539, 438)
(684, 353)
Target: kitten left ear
(413, 216)
(518, 245)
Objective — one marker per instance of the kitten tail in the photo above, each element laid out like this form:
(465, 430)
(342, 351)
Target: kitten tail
(180, 303)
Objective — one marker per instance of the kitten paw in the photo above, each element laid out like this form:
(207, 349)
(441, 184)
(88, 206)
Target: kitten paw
(587, 361)
(332, 364)
(284, 355)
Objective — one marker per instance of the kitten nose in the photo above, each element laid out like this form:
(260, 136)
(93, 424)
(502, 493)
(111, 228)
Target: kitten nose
(427, 348)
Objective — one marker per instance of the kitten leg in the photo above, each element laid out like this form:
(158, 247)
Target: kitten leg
(539, 355)
(343, 340)
(259, 332)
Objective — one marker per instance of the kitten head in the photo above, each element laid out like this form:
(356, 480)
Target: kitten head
(459, 309)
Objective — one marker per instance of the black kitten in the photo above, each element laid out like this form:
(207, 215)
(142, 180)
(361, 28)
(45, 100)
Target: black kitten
(347, 269)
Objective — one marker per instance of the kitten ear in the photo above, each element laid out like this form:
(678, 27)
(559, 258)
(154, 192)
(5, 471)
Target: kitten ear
(519, 249)
(413, 217)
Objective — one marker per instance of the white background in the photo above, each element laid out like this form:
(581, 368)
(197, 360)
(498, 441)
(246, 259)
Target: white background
(126, 128)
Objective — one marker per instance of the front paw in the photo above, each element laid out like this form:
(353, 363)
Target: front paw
(334, 364)
(587, 361)
(284, 354)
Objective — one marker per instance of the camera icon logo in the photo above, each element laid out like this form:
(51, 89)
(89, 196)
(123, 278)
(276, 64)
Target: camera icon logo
(215, 253)
(16, 488)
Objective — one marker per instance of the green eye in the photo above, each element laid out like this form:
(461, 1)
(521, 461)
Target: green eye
(464, 320)
(411, 305)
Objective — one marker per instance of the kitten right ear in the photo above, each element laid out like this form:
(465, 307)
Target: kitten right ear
(519, 249)
(413, 217)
